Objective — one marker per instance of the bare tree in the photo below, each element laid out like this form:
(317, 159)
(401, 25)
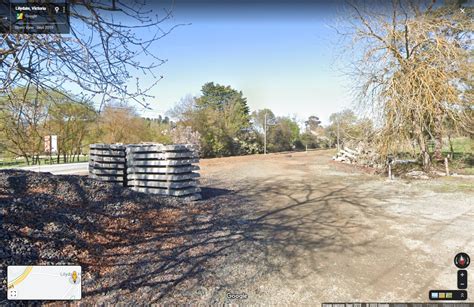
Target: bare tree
(98, 57)
(121, 124)
(23, 116)
(414, 68)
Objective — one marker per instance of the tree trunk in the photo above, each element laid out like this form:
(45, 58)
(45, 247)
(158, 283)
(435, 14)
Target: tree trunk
(438, 138)
(425, 155)
(438, 155)
(451, 149)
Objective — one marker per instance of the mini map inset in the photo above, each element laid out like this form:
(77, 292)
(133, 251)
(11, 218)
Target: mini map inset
(44, 282)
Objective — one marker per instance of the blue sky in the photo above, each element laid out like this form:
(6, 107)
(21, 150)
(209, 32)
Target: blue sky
(280, 56)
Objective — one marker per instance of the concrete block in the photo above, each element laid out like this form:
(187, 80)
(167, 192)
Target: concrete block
(163, 155)
(117, 178)
(102, 171)
(162, 170)
(149, 168)
(176, 177)
(181, 162)
(162, 184)
(171, 192)
(144, 148)
(107, 159)
(107, 152)
(99, 165)
(108, 146)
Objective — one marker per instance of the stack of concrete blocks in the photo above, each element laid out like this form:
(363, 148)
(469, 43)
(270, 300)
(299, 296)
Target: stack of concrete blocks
(107, 162)
(163, 169)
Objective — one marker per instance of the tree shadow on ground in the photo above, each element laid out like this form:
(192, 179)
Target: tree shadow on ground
(142, 248)
(231, 232)
(211, 192)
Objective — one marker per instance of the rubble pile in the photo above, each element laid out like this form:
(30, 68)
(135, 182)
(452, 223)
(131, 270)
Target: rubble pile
(359, 153)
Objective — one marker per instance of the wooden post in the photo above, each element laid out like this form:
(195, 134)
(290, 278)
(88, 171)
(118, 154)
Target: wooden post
(389, 171)
(265, 134)
(446, 165)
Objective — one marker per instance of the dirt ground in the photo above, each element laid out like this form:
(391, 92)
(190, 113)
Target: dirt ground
(310, 230)
(284, 229)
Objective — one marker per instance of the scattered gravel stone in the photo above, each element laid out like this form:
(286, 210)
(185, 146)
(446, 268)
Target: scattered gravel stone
(71, 220)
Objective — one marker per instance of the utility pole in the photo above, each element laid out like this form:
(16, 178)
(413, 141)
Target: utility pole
(265, 134)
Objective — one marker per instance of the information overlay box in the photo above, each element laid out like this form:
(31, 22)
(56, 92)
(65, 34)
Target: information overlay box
(60, 282)
(34, 17)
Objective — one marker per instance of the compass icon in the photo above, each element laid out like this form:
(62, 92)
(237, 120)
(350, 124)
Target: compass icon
(462, 260)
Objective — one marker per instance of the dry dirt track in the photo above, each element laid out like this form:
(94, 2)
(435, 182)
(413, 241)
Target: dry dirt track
(302, 230)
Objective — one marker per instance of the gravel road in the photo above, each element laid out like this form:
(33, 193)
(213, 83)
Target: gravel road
(309, 230)
(287, 229)
(78, 168)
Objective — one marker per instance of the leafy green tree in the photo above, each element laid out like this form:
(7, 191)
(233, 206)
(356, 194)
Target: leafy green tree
(222, 119)
(346, 126)
(284, 135)
(310, 140)
(313, 136)
(312, 124)
(218, 96)
(220, 116)
(71, 122)
(22, 117)
(158, 130)
(258, 119)
(262, 120)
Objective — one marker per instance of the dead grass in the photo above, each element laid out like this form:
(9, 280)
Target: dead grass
(452, 184)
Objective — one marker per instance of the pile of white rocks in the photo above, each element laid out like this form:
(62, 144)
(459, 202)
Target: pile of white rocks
(359, 153)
